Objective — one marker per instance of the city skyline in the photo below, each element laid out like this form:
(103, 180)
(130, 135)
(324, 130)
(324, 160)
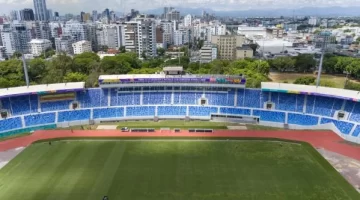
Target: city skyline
(76, 6)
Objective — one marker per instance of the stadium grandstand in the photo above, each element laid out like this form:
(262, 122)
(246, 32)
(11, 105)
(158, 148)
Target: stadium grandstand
(176, 95)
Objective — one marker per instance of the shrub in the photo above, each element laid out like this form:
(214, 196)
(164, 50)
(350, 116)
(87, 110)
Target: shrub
(306, 80)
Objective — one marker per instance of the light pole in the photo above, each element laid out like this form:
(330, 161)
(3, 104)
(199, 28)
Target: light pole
(324, 38)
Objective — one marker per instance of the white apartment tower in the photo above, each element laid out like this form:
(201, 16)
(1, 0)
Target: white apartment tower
(39, 46)
(140, 37)
(81, 47)
(187, 20)
(41, 12)
(64, 44)
(15, 37)
(76, 30)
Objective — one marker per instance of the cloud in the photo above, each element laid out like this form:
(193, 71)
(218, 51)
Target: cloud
(76, 6)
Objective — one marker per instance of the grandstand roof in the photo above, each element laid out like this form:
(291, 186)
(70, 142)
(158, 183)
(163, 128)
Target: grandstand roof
(38, 89)
(312, 90)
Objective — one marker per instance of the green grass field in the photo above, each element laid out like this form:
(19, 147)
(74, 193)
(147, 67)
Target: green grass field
(171, 170)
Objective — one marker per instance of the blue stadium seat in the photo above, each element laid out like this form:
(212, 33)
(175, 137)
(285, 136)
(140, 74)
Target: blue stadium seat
(344, 127)
(39, 119)
(124, 98)
(74, 115)
(171, 110)
(10, 123)
(189, 98)
(336, 106)
(235, 111)
(300, 98)
(154, 97)
(304, 120)
(92, 98)
(271, 116)
(323, 106)
(310, 101)
(140, 111)
(252, 98)
(201, 110)
(99, 113)
(356, 132)
(220, 98)
(55, 105)
(285, 101)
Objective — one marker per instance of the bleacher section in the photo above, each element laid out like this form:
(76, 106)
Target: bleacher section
(74, 115)
(39, 119)
(103, 113)
(270, 116)
(344, 127)
(120, 103)
(304, 120)
(171, 111)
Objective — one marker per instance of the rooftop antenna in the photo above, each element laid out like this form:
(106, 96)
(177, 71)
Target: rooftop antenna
(322, 39)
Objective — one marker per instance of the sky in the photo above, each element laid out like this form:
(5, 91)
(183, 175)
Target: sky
(76, 6)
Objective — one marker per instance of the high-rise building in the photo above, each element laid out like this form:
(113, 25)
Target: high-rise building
(208, 53)
(140, 37)
(168, 32)
(187, 20)
(27, 14)
(64, 44)
(39, 46)
(173, 15)
(50, 15)
(14, 15)
(90, 29)
(227, 45)
(94, 15)
(110, 36)
(76, 30)
(41, 12)
(15, 37)
(81, 47)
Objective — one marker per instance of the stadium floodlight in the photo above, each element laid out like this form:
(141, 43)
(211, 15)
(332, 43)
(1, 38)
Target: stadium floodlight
(25, 70)
(322, 40)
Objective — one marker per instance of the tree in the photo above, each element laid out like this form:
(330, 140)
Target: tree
(329, 63)
(103, 48)
(75, 77)
(306, 80)
(161, 51)
(122, 49)
(254, 47)
(143, 55)
(115, 65)
(82, 62)
(282, 64)
(304, 63)
(218, 66)
(11, 73)
(16, 54)
(36, 69)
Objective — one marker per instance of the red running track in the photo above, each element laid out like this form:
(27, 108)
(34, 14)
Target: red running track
(319, 139)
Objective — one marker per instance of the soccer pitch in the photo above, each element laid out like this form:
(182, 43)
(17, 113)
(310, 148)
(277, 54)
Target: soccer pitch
(172, 170)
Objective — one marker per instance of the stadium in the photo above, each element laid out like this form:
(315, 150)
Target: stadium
(172, 161)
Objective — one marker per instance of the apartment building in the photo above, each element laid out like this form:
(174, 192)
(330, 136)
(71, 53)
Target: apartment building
(39, 46)
(208, 53)
(227, 45)
(140, 36)
(81, 47)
